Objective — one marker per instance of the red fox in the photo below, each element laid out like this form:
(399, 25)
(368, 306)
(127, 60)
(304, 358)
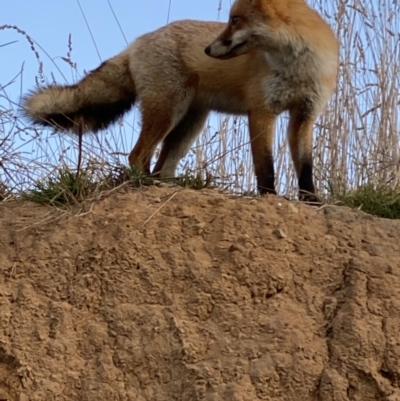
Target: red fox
(272, 56)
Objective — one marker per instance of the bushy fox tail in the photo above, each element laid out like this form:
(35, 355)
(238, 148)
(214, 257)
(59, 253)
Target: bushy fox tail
(98, 100)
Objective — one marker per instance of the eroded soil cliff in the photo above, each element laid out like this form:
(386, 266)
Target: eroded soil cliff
(161, 295)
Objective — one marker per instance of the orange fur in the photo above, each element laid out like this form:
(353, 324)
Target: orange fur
(272, 56)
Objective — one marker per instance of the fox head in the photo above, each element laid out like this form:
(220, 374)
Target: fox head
(253, 24)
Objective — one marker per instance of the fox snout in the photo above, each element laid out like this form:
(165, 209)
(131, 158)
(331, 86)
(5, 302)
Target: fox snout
(210, 51)
(220, 49)
(207, 50)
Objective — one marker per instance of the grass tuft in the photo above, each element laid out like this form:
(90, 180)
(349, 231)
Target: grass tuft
(378, 201)
(131, 175)
(196, 180)
(65, 188)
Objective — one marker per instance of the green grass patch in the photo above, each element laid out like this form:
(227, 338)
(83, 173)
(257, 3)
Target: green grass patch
(377, 201)
(132, 175)
(195, 180)
(64, 188)
(68, 187)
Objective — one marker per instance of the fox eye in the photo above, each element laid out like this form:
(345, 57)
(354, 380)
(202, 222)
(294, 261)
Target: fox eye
(235, 20)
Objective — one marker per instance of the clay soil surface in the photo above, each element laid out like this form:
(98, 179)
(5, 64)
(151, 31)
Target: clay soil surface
(162, 295)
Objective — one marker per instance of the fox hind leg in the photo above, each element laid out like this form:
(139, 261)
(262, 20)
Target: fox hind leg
(178, 142)
(153, 131)
(157, 121)
(164, 107)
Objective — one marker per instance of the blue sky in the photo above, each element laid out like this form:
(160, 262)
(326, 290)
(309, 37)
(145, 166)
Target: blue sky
(50, 22)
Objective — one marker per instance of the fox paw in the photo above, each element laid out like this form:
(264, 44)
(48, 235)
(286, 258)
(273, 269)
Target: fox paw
(310, 198)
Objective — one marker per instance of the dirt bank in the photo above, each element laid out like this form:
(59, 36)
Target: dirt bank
(162, 295)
